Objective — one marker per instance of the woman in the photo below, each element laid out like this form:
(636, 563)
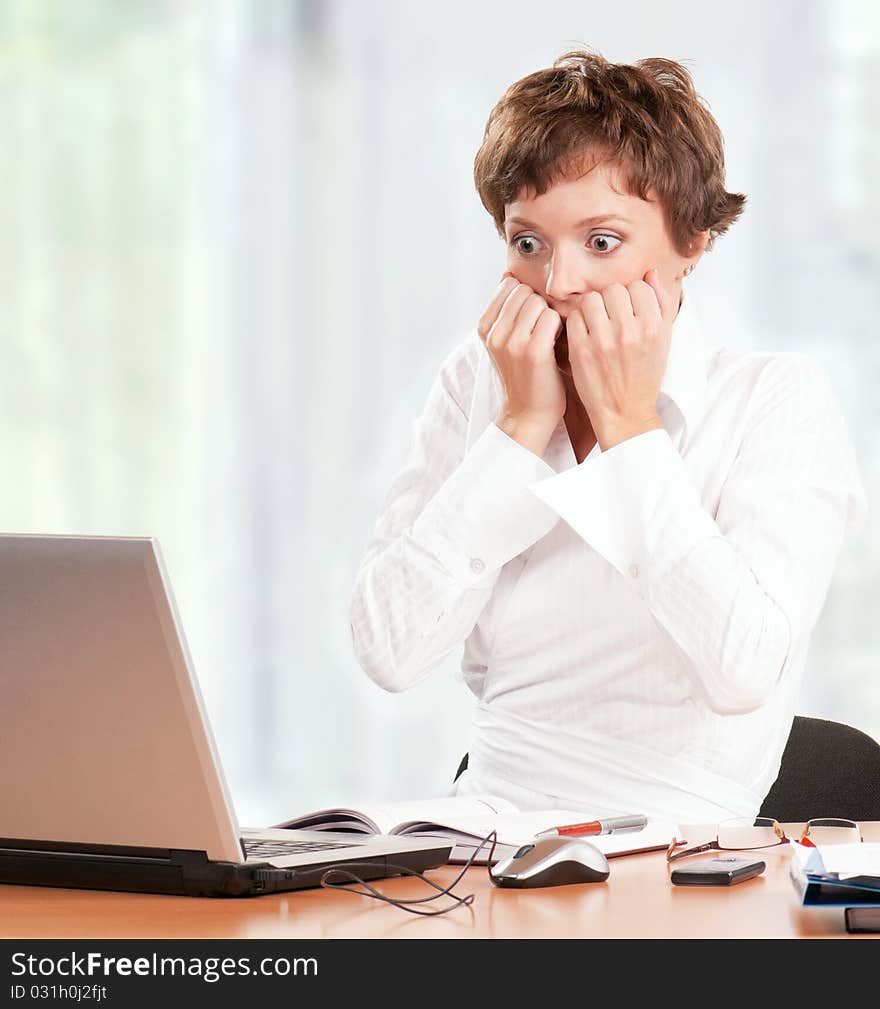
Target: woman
(631, 533)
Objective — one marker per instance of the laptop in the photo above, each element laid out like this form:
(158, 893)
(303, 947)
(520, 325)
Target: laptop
(109, 775)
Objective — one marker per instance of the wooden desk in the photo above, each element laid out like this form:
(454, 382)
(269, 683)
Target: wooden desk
(637, 901)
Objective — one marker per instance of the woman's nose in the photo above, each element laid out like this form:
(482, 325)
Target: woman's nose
(565, 278)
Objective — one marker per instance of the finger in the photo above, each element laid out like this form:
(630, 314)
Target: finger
(528, 315)
(644, 301)
(545, 332)
(503, 326)
(487, 319)
(579, 340)
(595, 316)
(617, 302)
(665, 300)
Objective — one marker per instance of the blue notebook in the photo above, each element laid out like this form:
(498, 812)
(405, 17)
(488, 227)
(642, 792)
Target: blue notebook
(835, 876)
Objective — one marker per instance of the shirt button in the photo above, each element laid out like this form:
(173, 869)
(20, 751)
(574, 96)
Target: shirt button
(477, 566)
(634, 571)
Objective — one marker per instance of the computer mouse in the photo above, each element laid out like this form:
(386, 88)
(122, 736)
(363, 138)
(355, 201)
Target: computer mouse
(551, 861)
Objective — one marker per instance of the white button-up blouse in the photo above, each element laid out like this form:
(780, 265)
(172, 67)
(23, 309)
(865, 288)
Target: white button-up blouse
(635, 627)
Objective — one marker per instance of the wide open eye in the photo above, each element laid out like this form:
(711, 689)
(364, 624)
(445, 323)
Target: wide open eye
(604, 239)
(522, 250)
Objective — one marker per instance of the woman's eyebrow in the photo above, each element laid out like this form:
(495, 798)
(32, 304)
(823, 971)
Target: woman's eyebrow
(596, 219)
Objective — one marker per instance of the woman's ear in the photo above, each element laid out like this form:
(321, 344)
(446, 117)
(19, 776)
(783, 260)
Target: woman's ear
(697, 248)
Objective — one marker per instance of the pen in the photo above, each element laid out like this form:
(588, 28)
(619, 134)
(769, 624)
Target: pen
(613, 825)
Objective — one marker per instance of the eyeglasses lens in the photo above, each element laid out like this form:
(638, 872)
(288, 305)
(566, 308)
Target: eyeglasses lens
(833, 831)
(756, 832)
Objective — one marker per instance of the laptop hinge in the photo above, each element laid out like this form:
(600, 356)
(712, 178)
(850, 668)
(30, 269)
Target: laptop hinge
(202, 877)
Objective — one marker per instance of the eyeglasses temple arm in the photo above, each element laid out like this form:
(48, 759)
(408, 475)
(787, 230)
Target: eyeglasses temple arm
(672, 856)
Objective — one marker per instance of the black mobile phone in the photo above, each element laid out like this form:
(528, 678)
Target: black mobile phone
(723, 870)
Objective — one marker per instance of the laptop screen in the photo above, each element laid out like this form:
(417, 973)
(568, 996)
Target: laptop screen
(103, 733)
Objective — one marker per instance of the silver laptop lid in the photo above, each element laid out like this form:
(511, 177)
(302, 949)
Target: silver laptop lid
(103, 733)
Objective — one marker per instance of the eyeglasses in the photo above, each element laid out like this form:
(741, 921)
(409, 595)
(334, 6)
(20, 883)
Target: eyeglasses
(761, 832)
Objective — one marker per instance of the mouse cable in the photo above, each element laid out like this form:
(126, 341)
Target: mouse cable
(403, 904)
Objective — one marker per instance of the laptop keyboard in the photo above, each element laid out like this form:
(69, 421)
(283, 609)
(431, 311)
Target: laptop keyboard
(281, 848)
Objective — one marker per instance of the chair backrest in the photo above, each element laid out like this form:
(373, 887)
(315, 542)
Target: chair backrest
(827, 769)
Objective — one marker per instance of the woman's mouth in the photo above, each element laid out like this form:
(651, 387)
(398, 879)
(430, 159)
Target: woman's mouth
(561, 349)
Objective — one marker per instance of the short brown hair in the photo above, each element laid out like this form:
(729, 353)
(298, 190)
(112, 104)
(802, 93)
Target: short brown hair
(646, 118)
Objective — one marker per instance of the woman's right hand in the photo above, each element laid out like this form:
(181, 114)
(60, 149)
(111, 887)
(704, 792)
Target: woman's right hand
(519, 330)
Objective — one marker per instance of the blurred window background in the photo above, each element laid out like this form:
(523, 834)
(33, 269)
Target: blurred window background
(238, 237)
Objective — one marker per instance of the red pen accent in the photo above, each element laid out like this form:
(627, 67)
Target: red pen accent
(612, 825)
(580, 829)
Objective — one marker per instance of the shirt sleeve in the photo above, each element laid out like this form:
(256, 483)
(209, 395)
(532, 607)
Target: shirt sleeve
(449, 523)
(740, 591)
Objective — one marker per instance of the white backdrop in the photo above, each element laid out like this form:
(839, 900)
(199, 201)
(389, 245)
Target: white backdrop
(237, 238)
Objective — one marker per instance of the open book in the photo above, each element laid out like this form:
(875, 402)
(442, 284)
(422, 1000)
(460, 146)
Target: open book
(467, 819)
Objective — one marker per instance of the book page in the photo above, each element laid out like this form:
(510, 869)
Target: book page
(859, 859)
(387, 817)
(340, 819)
(451, 810)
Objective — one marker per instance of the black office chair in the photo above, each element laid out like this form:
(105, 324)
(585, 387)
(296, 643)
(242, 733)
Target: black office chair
(827, 769)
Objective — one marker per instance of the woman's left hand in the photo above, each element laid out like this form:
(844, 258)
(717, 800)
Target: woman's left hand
(618, 345)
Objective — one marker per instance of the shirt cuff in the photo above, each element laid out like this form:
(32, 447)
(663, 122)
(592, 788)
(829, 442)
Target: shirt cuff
(484, 515)
(635, 504)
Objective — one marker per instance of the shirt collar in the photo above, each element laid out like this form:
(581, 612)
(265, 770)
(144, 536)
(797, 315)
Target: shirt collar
(684, 381)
